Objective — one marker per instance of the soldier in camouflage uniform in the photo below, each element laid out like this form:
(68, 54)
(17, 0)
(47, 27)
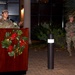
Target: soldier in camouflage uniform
(4, 21)
(70, 33)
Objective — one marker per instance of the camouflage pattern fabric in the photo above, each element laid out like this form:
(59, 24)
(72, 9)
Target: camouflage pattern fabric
(6, 23)
(70, 35)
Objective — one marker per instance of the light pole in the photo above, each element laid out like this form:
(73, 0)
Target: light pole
(50, 42)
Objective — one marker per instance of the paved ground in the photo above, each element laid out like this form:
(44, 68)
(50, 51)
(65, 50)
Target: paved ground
(64, 65)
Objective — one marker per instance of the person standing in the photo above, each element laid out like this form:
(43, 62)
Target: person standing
(70, 33)
(4, 21)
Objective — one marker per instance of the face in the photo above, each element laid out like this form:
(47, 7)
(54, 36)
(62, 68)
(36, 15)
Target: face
(71, 19)
(5, 15)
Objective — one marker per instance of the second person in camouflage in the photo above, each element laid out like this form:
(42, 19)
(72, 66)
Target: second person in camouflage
(70, 33)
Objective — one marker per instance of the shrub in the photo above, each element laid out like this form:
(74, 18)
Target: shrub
(45, 29)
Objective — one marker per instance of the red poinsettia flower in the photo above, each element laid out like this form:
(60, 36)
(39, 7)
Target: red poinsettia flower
(13, 36)
(10, 48)
(22, 42)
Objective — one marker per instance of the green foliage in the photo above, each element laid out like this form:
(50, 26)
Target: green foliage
(59, 37)
(6, 43)
(42, 31)
(7, 34)
(45, 29)
(14, 42)
(24, 38)
(11, 53)
(19, 32)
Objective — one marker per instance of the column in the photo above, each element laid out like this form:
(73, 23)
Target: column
(27, 17)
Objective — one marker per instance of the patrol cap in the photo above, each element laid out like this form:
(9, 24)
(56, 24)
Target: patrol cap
(71, 16)
(4, 11)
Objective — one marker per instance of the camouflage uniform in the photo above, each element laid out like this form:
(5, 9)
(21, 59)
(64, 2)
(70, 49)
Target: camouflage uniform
(70, 29)
(6, 23)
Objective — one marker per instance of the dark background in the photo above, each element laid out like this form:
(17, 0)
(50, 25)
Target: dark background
(50, 12)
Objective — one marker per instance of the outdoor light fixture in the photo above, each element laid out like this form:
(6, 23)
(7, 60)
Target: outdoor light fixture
(50, 42)
(22, 14)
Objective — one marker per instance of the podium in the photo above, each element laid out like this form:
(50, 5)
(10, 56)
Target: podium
(10, 65)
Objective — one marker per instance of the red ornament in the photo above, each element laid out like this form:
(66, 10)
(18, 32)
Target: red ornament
(22, 42)
(13, 36)
(10, 48)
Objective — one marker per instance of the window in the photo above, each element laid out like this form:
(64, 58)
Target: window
(34, 1)
(13, 9)
(13, 0)
(45, 19)
(34, 9)
(44, 9)
(44, 1)
(14, 18)
(2, 6)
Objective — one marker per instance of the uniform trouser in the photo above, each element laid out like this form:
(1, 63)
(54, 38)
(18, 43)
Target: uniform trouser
(69, 40)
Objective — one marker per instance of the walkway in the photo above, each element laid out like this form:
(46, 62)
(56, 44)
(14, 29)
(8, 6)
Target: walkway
(64, 65)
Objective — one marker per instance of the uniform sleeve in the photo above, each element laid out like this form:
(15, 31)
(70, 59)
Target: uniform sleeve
(0, 23)
(13, 25)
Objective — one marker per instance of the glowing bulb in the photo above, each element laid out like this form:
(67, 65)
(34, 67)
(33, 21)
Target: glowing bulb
(22, 14)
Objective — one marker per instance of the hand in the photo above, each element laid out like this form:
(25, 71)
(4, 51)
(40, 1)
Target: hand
(20, 23)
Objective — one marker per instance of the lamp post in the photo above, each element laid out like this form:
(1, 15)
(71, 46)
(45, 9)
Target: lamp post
(50, 42)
